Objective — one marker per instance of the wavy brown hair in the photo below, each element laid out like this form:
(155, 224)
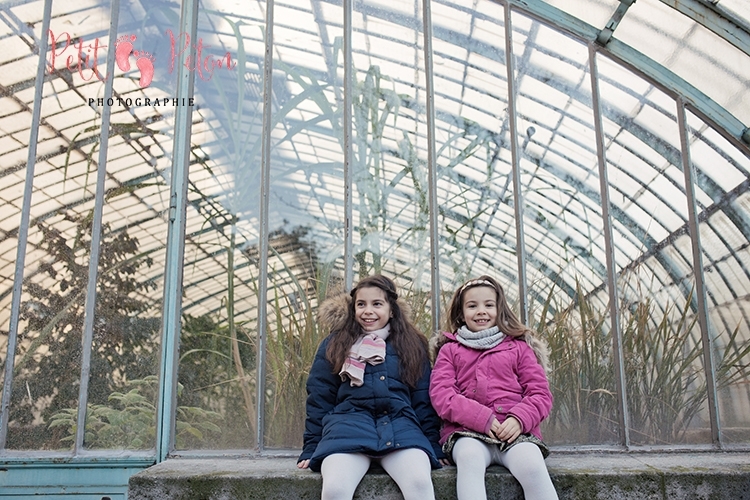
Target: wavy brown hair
(507, 321)
(409, 343)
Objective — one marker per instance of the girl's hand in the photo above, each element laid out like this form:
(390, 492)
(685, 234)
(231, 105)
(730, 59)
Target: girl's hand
(304, 464)
(509, 430)
(494, 428)
(445, 462)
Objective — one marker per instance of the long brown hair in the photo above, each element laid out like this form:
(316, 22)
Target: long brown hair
(507, 321)
(409, 343)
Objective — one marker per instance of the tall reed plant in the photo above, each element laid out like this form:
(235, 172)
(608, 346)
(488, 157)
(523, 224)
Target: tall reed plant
(292, 342)
(663, 367)
(581, 375)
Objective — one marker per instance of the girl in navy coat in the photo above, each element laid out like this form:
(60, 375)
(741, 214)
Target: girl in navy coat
(368, 396)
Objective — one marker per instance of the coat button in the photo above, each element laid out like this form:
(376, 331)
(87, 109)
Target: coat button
(382, 377)
(388, 443)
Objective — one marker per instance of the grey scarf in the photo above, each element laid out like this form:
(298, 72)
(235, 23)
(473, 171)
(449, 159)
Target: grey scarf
(484, 339)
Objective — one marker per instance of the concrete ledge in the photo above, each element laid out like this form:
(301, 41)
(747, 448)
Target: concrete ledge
(577, 476)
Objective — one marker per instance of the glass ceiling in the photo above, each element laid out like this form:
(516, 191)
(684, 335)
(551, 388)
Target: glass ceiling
(655, 63)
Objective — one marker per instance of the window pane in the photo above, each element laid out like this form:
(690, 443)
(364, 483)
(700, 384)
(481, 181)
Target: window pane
(123, 385)
(217, 370)
(47, 371)
(724, 231)
(306, 214)
(665, 381)
(563, 231)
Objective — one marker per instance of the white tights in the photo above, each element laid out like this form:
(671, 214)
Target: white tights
(524, 461)
(410, 468)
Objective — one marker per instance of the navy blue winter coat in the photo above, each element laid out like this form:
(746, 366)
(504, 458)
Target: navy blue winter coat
(381, 416)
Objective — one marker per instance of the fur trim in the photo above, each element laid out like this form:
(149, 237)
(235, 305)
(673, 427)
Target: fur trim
(332, 312)
(537, 344)
(434, 344)
(540, 348)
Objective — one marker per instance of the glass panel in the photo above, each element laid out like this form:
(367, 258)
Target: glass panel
(216, 398)
(563, 218)
(566, 264)
(48, 364)
(681, 45)
(664, 374)
(725, 230)
(595, 12)
(306, 205)
(123, 385)
(475, 190)
(15, 128)
(389, 170)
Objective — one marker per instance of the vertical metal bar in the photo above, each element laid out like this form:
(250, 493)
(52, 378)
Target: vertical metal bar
(96, 234)
(619, 364)
(431, 167)
(265, 174)
(173, 274)
(517, 192)
(709, 364)
(23, 229)
(348, 149)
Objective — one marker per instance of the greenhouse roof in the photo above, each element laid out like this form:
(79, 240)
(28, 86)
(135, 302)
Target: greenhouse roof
(652, 59)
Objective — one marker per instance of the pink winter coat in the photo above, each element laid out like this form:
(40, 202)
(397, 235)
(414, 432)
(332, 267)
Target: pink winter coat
(469, 386)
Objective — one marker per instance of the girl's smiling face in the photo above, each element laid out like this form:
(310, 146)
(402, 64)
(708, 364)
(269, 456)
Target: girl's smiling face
(371, 308)
(480, 308)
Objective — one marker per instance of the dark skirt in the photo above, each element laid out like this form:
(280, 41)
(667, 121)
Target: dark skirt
(503, 445)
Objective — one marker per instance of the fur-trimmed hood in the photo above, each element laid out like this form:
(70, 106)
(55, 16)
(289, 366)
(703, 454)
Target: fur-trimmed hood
(537, 344)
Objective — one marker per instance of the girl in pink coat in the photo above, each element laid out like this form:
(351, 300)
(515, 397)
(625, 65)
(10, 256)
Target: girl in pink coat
(490, 388)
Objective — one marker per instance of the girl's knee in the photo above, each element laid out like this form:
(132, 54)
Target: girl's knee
(336, 490)
(526, 463)
(469, 452)
(418, 487)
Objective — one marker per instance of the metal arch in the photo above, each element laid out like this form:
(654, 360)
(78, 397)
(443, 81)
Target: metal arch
(711, 16)
(725, 123)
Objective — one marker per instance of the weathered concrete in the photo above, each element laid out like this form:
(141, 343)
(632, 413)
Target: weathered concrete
(577, 476)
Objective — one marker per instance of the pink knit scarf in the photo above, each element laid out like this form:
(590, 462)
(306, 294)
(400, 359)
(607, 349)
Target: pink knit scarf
(369, 348)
